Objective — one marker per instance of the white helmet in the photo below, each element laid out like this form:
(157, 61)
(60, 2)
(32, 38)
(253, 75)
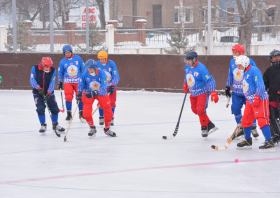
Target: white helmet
(242, 60)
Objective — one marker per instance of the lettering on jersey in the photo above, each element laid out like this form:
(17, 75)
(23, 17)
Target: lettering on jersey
(72, 71)
(108, 76)
(71, 63)
(77, 63)
(196, 74)
(256, 78)
(94, 79)
(207, 77)
(110, 69)
(190, 80)
(247, 76)
(245, 86)
(94, 85)
(32, 76)
(237, 75)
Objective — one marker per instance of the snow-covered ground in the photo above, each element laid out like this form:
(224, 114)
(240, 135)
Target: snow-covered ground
(137, 163)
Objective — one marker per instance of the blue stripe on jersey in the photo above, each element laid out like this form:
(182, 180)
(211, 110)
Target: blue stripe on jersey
(52, 83)
(33, 82)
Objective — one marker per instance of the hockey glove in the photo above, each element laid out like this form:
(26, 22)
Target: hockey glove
(186, 88)
(214, 96)
(111, 90)
(48, 95)
(227, 91)
(256, 101)
(60, 85)
(41, 91)
(92, 94)
(79, 97)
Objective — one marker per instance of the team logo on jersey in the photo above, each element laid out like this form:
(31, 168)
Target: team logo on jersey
(53, 78)
(108, 76)
(94, 85)
(77, 63)
(237, 75)
(72, 70)
(207, 77)
(190, 80)
(196, 74)
(245, 86)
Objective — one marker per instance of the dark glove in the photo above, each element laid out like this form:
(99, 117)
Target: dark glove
(111, 90)
(60, 85)
(92, 94)
(48, 95)
(41, 91)
(79, 97)
(227, 91)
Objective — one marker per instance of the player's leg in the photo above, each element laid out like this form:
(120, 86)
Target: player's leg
(262, 115)
(113, 98)
(87, 115)
(108, 114)
(236, 106)
(54, 110)
(247, 121)
(81, 104)
(40, 108)
(68, 91)
(274, 121)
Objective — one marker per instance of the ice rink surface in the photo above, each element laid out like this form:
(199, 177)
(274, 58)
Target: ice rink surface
(138, 162)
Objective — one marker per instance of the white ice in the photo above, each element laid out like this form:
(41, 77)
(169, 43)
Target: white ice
(138, 162)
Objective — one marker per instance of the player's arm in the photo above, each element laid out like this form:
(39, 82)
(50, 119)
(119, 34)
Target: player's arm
(33, 82)
(82, 65)
(230, 76)
(82, 83)
(259, 83)
(210, 85)
(115, 74)
(60, 72)
(103, 83)
(266, 79)
(52, 83)
(252, 62)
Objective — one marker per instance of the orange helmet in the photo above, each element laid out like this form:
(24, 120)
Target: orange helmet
(46, 62)
(102, 54)
(239, 48)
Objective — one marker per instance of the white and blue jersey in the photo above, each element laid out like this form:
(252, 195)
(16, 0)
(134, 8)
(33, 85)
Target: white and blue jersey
(253, 84)
(235, 78)
(198, 79)
(70, 69)
(111, 71)
(90, 83)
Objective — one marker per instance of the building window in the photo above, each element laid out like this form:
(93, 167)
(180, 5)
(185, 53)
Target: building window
(188, 15)
(214, 16)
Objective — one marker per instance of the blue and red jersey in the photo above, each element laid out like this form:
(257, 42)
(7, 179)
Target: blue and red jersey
(235, 78)
(198, 79)
(90, 82)
(111, 72)
(41, 79)
(70, 69)
(253, 84)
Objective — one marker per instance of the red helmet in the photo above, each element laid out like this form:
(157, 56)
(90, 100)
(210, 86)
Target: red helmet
(239, 48)
(46, 62)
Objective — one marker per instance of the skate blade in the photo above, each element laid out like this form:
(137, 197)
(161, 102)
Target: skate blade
(270, 150)
(42, 133)
(204, 138)
(60, 132)
(83, 120)
(244, 148)
(93, 136)
(213, 130)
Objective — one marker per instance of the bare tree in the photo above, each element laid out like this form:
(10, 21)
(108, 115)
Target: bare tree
(276, 19)
(100, 4)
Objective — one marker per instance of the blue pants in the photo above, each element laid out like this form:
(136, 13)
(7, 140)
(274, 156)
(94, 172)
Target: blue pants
(40, 104)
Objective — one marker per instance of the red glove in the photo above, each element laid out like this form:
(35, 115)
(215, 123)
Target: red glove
(186, 89)
(214, 96)
(256, 101)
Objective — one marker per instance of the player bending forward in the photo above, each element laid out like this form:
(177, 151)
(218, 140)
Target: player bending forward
(94, 84)
(257, 105)
(42, 80)
(200, 83)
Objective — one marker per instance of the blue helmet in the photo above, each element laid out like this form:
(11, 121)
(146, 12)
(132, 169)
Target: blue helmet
(273, 53)
(67, 48)
(191, 55)
(91, 64)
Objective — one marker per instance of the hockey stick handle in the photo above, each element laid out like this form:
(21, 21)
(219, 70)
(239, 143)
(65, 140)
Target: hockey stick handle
(62, 100)
(177, 126)
(70, 122)
(95, 110)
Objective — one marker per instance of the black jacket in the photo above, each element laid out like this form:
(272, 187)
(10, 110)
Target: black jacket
(271, 78)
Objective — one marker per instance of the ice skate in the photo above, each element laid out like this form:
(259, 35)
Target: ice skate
(239, 134)
(255, 132)
(109, 132)
(69, 116)
(204, 132)
(101, 120)
(92, 132)
(245, 145)
(58, 128)
(211, 128)
(43, 129)
(112, 122)
(267, 147)
(81, 117)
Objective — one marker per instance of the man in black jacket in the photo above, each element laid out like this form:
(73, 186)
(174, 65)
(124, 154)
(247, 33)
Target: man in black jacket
(271, 79)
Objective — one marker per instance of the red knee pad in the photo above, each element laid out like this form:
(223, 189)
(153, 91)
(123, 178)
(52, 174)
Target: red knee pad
(69, 97)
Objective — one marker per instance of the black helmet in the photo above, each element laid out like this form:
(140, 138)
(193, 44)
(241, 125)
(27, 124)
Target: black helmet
(273, 53)
(191, 55)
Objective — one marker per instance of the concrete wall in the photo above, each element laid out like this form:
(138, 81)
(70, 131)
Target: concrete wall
(149, 72)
